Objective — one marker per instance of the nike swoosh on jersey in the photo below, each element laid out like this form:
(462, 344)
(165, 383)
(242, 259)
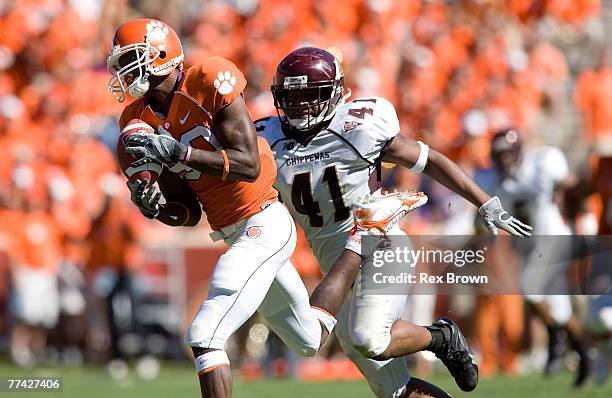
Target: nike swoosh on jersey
(184, 118)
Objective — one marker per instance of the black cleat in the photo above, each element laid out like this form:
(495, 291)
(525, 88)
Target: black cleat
(455, 354)
(583, 371)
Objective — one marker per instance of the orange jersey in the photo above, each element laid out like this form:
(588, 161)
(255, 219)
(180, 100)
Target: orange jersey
(205, 89)
(111, 237)
(37, 242)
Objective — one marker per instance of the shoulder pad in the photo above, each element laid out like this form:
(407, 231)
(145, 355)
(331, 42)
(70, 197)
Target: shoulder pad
(214, 83)
(270, 129)
(367, 124)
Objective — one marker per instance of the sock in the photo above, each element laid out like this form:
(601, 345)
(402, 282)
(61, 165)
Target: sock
(556, 342)
(578, 346)
(438, 337)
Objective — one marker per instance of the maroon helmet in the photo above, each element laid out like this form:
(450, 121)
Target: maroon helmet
(506, 148)
(506, 140)
(307, 89)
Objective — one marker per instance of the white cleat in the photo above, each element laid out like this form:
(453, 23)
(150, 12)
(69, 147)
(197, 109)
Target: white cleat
(378, 214)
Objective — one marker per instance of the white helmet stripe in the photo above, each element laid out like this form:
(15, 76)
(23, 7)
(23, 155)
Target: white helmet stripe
(142, 126)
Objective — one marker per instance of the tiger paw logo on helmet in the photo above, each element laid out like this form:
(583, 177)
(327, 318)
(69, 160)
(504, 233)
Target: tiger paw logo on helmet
(225, 82)
(156, 31)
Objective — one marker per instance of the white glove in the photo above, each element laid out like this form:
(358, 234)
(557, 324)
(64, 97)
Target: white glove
(496, 217)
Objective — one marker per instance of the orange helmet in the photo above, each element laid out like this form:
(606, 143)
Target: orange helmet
(156, 51)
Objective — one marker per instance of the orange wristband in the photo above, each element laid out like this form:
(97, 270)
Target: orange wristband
(225, 165)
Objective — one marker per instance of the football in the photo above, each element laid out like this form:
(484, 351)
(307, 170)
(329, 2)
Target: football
(148, 171)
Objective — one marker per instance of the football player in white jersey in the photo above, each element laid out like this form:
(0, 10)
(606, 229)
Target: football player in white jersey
(328, 156)
(531, 181)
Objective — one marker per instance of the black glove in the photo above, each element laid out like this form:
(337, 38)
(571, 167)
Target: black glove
(147, 200)
(159, 148)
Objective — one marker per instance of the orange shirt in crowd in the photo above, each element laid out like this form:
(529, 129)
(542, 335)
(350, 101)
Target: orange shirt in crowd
(592, 97)
(111, 236)
(574, 11)
(10, 222)
(38, 242)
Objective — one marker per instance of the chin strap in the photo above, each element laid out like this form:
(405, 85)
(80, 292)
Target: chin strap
(345, 96)
(139, 89)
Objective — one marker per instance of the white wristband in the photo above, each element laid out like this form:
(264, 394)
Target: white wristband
(419, 166)
(354, 242)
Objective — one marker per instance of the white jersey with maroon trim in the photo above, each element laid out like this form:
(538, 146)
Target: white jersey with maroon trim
(533, 183)
(320, 180)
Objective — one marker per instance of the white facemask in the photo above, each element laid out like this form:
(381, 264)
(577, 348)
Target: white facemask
(145, 55)
(309, 121)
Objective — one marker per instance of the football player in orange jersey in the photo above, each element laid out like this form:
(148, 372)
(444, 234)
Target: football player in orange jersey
(211, 156)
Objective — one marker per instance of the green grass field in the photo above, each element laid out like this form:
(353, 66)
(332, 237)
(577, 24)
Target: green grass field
(173, 381)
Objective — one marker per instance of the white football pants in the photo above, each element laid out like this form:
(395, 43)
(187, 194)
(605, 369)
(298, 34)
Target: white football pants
(255, 274)
(364, 324)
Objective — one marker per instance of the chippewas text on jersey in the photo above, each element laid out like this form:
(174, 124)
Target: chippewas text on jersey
(309, 158)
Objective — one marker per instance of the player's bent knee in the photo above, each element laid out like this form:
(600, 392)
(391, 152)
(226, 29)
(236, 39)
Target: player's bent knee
(309, 341)
(199, 335)
(204, 329)
(370, 345)
(306, 345)
(308, 351)
(207, 360)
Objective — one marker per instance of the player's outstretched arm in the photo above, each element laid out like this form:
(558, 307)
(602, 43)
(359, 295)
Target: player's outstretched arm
(233, 126)
(405, 152)
(420, 158)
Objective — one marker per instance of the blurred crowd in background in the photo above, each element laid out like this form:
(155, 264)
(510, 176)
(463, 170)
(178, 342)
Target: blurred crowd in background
(457, 71)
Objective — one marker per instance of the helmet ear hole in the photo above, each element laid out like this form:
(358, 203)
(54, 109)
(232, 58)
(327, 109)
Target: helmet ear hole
(162, 54)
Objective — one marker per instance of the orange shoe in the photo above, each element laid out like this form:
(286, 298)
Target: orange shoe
(379, 214)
